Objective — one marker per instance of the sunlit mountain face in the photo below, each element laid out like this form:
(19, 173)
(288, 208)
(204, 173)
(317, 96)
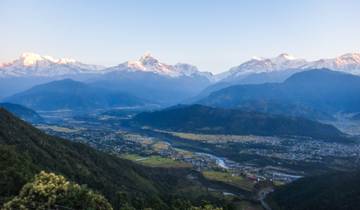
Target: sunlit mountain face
(34, 65)
(349, 63)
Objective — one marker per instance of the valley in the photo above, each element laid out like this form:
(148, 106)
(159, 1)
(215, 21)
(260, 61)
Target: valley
(239, 147)
(258, 159)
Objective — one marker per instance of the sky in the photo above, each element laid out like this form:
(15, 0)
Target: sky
(214, 35)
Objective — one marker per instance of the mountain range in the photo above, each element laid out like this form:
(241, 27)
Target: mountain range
(146, 77)
(349, 63)
(72, 95)
(32, 65)
(278, 69)
(151, 79)
(319, 90)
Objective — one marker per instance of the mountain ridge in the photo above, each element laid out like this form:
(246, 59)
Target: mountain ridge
(208, 120)
(349, 62)
(319, 89)
(70, 94)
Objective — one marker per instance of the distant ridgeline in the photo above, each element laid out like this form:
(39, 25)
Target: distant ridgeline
(25, 151)
(207, 120)
(73, 95)
(146, 78)
(312, 94)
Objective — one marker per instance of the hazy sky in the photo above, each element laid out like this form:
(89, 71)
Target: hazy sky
(211, 34)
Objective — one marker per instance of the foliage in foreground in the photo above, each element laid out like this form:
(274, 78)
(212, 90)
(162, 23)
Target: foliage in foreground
(51, 191)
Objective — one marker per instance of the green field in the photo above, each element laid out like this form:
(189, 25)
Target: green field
(216, 138)
(155, 161)
(226, 177)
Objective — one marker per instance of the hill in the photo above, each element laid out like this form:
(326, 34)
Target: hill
(334, 191)
(22, 112)
(203, 119)
(70, 94)
(319, 90)
(25, 151)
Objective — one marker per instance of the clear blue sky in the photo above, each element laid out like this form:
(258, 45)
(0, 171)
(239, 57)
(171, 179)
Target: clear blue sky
(211, 34)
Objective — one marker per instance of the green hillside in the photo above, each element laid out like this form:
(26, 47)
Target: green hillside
(335, 191)
(25, 151)
(208, 120)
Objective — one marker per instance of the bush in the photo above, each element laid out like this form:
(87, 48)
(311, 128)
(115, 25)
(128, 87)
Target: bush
(51, 191)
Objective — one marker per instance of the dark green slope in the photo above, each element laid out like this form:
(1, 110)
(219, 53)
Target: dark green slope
(203, 119)
(326, 192)
(70, 94)
(24, 151)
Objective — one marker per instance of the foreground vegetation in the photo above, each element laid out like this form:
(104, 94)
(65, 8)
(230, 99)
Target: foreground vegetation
(26, 151)
(51, 191)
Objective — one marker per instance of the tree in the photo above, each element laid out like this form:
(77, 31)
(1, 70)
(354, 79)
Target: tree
(51, 191)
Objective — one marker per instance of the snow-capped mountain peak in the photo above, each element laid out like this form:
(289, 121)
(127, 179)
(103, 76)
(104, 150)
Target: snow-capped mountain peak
(281, 62)
(148, 63)
(286, 56)
(191, 70)
(32, 64)
(349, 63)
(148, 59)
(350, 58)
(29, 59)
